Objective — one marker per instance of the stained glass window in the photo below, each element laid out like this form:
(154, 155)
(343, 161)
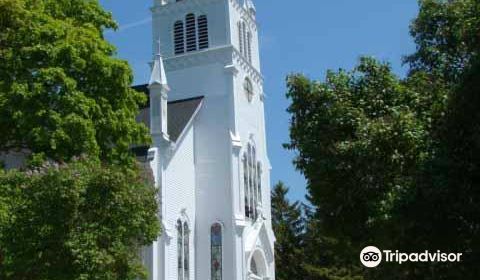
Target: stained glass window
(216, 251)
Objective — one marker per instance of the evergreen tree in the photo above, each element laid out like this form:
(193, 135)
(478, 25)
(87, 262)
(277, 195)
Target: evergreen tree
(288, 227)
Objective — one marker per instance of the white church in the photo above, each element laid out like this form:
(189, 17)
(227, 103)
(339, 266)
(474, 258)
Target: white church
(209, 155)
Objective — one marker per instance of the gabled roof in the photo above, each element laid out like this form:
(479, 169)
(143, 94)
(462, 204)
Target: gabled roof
(255, 233)
(180, 113)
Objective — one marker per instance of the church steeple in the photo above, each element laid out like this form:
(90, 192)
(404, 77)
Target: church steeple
(250, 7)
(158, 87)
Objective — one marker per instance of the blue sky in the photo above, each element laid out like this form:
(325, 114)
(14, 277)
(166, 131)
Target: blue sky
(305, 36)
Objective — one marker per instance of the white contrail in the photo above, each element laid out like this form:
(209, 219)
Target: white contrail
(135, 24)
(132, 25)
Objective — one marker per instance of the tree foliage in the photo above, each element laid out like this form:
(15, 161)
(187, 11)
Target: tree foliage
(79, 221)
(446, 34)
(62, 93)
(395, 161)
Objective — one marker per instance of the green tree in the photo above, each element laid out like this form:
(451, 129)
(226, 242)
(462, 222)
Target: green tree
(394, 162)
(446, 33)
(62, 93)
(446, 36)
(360, 136)
(79, 221)
(288, 226)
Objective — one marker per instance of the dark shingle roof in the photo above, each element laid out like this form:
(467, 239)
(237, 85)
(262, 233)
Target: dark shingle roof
(180, 112)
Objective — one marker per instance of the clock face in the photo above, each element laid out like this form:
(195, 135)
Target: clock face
(248, 88)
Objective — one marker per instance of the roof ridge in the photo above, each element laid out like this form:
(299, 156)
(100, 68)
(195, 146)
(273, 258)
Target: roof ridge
(186, 99)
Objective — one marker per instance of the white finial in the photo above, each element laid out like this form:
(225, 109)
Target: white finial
(159, 49)
(158, 76)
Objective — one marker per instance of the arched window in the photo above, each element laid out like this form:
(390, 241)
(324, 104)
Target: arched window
(183, 250)
(179, 37)
(248, 89)
(253, 267)
(202, 32)
(252, 182)
(216, 241)
(191, 30)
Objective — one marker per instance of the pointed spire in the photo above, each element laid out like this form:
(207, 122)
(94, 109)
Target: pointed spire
(158, 76)
(249, 6)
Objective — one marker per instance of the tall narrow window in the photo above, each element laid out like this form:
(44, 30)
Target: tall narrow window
(202, 32)
(191, 30)
(179, 37)
(248, 89)
(183, 250)
(244, 38)
(240, 37)
(186, 252)
(216, 251)
(245, 184)
(252, 182)
(180, 249)
(259, 181)
(249, 47)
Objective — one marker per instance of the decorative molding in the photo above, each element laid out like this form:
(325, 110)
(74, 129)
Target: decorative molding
(236, 141)
(245, 15)
(167, 230)
(240, 221)
(228, 54)
(231, 68)
(208, 56)
(247, 66)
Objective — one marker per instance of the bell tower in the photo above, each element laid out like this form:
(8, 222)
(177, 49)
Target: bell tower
(210, 48)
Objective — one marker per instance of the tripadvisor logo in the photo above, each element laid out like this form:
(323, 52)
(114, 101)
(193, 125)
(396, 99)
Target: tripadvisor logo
(371, 256)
